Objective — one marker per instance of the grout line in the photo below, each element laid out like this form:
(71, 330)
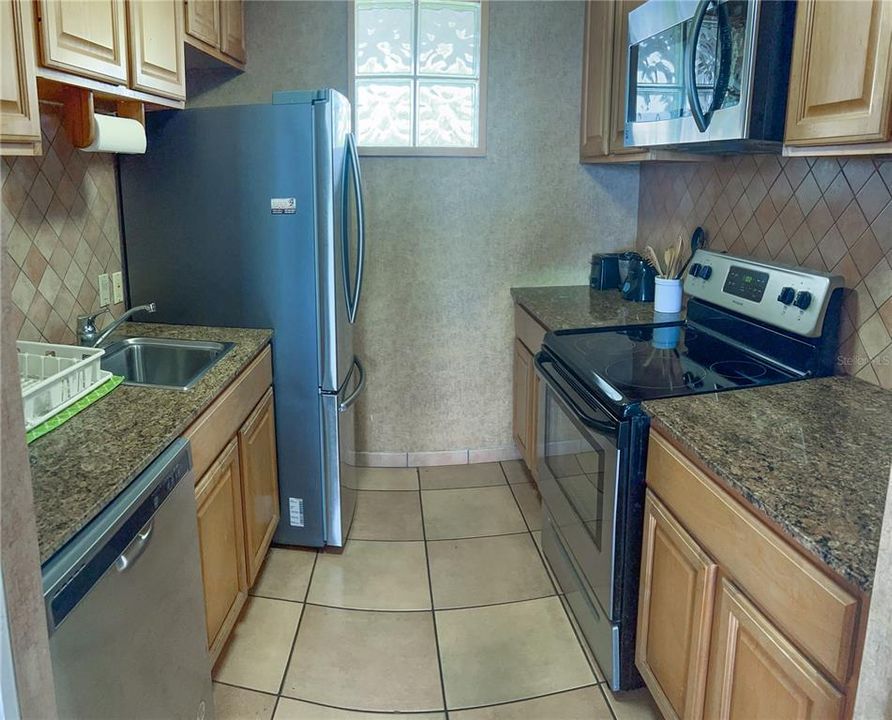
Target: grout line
(430, 587)
(464, 537)
(242, 687)
(300, 620)
(394, 713)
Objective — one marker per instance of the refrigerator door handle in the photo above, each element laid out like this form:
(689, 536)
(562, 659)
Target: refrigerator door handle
(357, 391)
(353, 292)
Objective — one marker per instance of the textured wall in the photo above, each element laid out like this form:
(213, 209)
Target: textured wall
(60, 230)
(448, 237)
(831, 214)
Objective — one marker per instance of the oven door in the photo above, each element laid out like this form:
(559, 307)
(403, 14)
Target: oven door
(690, 71)
(579, 468)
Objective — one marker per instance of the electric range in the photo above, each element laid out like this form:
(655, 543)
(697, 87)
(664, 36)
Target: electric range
(748, 324)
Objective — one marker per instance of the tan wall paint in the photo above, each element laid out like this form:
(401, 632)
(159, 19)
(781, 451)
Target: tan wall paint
(448, 237)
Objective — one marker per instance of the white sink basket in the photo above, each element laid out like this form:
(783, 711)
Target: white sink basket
(56, 376)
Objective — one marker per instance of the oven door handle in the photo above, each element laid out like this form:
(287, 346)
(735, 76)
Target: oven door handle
(556, 383)
(720, 88)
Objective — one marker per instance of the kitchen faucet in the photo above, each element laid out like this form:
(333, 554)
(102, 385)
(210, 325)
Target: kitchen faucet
(88, 334)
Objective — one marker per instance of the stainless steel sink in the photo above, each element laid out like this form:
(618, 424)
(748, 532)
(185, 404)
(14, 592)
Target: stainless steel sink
(163, 362)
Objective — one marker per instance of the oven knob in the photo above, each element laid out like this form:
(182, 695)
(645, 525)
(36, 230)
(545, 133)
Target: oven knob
(705, 272)
(803, 299)
(695, 270)
(786, 295)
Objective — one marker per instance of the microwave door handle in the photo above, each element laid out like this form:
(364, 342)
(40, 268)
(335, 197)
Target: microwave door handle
(702, 119)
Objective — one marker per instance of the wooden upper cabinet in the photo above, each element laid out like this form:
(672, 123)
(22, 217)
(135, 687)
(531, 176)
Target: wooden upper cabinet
(157, 61)
(260, 483)
(203, 21)
(19, 116)
(755, 672)
(222, 546)
(232, 29)
(674, 614)
(85, 37)
(841, 73)
(620, 77)
(597, 64)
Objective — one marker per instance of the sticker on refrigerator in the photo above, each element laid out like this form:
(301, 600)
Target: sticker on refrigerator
(283, 206)
(296, 512)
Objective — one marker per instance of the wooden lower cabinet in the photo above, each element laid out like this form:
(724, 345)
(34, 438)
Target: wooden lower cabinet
(674, 614)
(523, 366)
(234, 453)
(734, 623)
(755, 672)
(221, 540)
(260, 482)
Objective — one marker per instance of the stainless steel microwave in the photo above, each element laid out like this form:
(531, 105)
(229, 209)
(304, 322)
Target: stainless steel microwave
(709, 74)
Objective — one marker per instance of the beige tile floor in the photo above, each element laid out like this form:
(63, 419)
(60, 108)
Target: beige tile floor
(439, 607)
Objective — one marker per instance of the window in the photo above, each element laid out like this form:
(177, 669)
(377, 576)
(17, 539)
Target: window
(419, 76)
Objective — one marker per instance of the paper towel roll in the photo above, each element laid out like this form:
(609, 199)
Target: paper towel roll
(117, 135)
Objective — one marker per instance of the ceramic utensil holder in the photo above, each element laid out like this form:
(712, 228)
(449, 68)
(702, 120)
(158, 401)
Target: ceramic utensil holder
(667, 295)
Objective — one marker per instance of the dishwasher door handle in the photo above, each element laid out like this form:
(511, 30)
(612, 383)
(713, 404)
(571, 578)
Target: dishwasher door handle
(136, 548)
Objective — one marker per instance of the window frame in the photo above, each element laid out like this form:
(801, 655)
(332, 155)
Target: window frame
(414, 150)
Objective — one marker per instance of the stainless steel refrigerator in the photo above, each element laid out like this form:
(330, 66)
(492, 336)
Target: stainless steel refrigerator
(251, 216)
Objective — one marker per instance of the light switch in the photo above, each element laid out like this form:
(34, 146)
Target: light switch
(104, 290)
(118, 287)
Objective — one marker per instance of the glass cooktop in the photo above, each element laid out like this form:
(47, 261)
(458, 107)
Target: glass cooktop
(646, 362)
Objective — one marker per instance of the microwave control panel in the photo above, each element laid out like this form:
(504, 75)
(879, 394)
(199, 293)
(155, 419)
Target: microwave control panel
(791, 298)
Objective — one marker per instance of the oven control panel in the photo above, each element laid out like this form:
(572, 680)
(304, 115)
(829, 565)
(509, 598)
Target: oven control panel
(791, 298)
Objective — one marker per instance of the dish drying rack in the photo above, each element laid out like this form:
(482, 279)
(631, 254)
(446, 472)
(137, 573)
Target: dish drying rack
(56, 376)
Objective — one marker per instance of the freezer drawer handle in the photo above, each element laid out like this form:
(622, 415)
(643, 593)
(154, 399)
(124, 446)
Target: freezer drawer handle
(136, 548)
(357, 391)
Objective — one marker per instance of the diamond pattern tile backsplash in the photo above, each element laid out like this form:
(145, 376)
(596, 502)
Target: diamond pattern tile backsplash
(60, 232)
(831, 214)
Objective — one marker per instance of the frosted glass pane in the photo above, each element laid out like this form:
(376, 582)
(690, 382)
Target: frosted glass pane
(448, 38)
(447, 113)
(384, 37)
(384, 112)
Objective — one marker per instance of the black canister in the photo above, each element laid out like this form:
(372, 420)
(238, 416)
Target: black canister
(605, 271)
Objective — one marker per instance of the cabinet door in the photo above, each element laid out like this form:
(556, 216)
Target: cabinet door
(620, 77)
(19, 117)
(841, 73)
(674, 613)
(523, 362)
(232, 29)
(222, 543)
(260, 482)
(203, 21)
(532, 458)
(597, 62)
(156, 47)
(755, 672)
(85, 37)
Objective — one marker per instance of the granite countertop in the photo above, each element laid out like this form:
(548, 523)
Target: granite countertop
(81, 466)
(812, 457)
(565, 307)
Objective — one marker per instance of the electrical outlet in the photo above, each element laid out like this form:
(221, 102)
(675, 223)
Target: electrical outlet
(104, 290)
(118, 287)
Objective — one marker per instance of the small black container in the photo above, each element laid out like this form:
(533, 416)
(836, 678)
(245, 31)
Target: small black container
(605, 271)
(639, 283)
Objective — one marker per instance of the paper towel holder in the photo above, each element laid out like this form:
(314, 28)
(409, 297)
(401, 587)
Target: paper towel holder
(78, 108)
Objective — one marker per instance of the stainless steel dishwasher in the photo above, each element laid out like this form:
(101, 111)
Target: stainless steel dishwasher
(125, 608)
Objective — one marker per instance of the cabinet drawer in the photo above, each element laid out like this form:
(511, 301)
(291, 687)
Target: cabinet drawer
(528, 331)
(216, 426)
(816, 613)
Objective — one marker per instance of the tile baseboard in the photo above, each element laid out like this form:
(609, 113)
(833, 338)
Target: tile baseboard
(436, 457)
